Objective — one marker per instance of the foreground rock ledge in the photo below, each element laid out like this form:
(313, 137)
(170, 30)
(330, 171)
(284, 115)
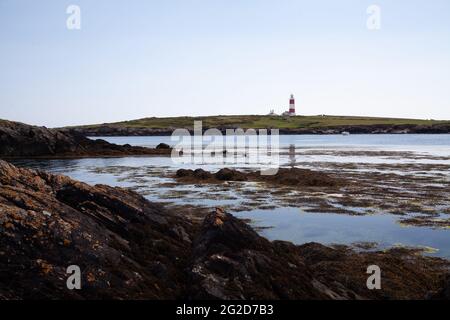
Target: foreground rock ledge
(129, 248)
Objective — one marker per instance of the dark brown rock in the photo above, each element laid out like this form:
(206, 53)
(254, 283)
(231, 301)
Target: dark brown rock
(130, 248)
(162, 146)
(231, 261)
(125, 246)
(21, 140)
(202, 174)
(230, 175)
(184, 173)
(444, 292)
(284, 176)
(302, 177)
(193, 175)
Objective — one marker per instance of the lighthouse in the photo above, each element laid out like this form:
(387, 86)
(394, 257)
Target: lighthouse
(292, 105)
(291, 111)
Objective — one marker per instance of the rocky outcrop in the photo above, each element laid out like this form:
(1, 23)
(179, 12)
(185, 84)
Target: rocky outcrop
(231, 261)
(163, 146)
(21, 140)
(111, 131)
(227, 174)
(129, 248)
(284, 176)
(125, 246)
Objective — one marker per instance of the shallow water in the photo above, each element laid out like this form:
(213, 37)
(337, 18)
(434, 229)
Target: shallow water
(143, 174)
(293, 224)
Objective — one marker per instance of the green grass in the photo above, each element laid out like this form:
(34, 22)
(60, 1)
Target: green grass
(255, 121)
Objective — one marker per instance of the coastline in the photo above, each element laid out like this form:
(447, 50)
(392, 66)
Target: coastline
(320, 124)
(130, 248)
(376, 129)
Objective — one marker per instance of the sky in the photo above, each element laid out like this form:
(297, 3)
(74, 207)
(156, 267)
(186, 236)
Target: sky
(143, 58)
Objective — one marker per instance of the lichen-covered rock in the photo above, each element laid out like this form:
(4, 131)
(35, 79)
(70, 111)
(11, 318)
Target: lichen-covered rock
(125, 246)
(231, 261)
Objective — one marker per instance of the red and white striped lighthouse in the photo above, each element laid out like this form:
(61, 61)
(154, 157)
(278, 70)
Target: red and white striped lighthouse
(292, 105)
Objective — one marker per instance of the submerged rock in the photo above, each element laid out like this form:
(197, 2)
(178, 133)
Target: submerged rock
(21, 140)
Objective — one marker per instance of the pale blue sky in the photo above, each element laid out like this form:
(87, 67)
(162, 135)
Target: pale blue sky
(134, 59)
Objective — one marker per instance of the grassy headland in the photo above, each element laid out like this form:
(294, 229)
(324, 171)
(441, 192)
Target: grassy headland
(265, 121)
(321, 124)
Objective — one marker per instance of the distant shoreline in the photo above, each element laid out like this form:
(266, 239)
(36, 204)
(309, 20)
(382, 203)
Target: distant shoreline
(105, 131)
(286, 125)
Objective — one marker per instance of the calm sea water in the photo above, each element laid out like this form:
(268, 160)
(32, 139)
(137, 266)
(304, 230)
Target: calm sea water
(295, 225)
(290, 224)
(421, 144)
(413, 142)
